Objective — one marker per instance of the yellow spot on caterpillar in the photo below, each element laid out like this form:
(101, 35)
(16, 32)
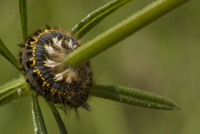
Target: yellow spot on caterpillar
(72, 93)
(45, 84)
(46, 56)
(34, 61)
(37, 71)
(49, 42)
(34, 48)
(53, 89)
(35, 40)
(60, 92)
(46, 31)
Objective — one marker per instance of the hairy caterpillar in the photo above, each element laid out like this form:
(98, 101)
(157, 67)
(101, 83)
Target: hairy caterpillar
(42, 59)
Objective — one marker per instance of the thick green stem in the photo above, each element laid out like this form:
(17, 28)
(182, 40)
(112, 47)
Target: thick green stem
(121, 31)
(23, 17)
(13, 90)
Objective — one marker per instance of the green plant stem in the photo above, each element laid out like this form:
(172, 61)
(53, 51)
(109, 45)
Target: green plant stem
(94, 18)
(121, 31)
(4, 51)
(133, 97)
(23, 17)
(58, 119)
(13, 90)
(38, 121)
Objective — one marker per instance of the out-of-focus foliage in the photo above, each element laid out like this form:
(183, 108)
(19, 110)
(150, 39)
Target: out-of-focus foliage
(163, 58)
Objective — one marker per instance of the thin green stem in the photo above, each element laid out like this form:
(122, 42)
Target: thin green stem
(58, 119)
(38, 121)
(4, 51)
(121, 31)
(94, 18)
(23, 17)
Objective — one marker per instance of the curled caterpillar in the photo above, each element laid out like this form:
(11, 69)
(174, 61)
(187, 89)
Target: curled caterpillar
(42, 59)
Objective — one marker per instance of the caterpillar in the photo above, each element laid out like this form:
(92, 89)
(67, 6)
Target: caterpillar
(42, 59)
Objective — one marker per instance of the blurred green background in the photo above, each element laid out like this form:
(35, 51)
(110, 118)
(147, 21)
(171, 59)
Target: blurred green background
(163, 58)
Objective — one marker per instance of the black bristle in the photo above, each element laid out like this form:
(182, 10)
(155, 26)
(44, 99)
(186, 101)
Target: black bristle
(21, 45)
(48, 27)
(31, 39)
(20, 54)
(20, 60)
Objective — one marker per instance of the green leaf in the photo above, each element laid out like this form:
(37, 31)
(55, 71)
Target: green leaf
(8, 55)
(58, 119)
(13, 90)
(23, 17)
(38, 121)
(133, 97)
(121, 31)
(94, 18)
